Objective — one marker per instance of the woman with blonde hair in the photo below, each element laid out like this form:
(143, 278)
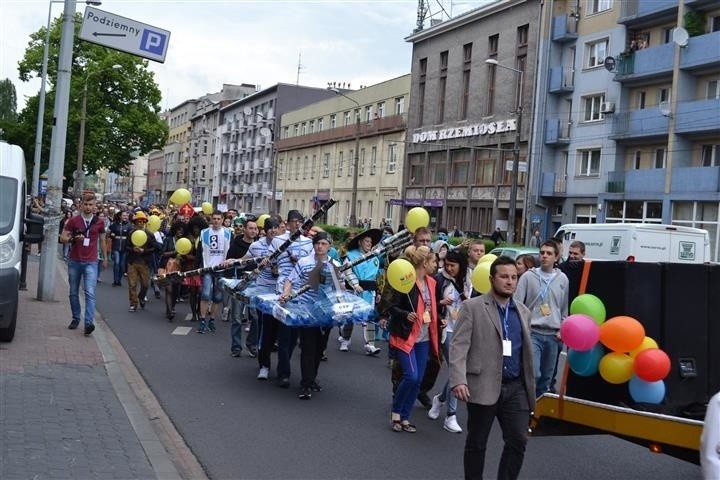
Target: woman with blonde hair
(414, 334)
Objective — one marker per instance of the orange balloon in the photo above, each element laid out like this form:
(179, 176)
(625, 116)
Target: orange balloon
(622, 334)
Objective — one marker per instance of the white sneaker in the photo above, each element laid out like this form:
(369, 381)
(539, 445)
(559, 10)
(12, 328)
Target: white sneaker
(451, 425)
(437, 405)
(344, 345)
(371, 349)
(263, 373)
(340, 338)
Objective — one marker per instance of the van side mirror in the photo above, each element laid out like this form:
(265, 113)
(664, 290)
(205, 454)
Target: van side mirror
(34, 226)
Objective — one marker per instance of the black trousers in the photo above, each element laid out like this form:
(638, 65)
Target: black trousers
(311, 348)
(513, 414)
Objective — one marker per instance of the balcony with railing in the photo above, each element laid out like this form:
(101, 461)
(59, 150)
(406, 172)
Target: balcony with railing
(646, 63)
(378, 126)
(562, 80)
(553, 184)
(695, 179)
(702, 52)
(557, 132)
(647, 11)
(698, 116)
(564, 28)
(647, 180)
(642, 123)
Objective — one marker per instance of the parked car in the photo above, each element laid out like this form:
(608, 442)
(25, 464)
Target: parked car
(514, 252)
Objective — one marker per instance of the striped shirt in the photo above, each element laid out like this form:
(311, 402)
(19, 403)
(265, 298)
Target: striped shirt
(259, 248)
(300, 248)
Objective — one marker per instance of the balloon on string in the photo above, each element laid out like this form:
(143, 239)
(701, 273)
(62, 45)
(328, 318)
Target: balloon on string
(207, 208)
(622, 334)
(183, 246)
(590, 305)
(489, 258)
(646, 392)
(579, 332)
(652, 365)
(481, 277)
(646, 343)
(261, 220)
(153, 224)
(138, 238)
(585, 364)
(180, 196)
(401, 275)
(616, 367)
(416, 218)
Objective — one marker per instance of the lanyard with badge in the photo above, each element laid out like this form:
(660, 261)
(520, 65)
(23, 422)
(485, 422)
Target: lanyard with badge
(506, 342)
(425, 295)
(544, 305)
(86, 240)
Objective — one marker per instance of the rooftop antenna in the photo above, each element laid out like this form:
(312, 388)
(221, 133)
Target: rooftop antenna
(300, 67)
(422, 11)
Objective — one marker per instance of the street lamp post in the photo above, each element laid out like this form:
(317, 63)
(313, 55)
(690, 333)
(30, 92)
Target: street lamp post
(356, 160)
(41, 99)
(516, 152)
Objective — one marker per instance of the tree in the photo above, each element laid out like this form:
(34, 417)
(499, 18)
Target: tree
(8, 100)
(123, 104)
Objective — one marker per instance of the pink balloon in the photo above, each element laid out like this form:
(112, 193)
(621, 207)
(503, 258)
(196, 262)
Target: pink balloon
(580, 332)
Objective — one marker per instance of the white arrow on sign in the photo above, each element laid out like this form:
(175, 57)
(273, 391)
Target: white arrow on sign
(124, 34)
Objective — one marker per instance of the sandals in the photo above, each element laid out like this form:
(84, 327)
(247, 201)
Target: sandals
(398, 425)
(408, 427)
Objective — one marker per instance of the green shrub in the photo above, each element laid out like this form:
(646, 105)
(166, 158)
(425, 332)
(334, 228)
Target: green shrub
(694, 23)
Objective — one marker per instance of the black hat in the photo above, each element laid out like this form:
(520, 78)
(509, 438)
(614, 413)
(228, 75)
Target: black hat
(295, 215)
(374, 233)
(322, 236)
(270, 223)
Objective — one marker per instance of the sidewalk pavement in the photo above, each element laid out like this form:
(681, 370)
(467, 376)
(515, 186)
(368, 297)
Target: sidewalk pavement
(75, 407)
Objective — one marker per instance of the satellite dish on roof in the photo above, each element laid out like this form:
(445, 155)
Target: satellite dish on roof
(680, 36)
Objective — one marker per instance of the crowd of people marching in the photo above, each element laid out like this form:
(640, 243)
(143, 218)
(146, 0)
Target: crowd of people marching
(501, 347)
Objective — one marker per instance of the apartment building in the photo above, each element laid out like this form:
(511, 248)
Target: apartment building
(465, 116)
(321, 143)
(175, 173)
(156, 165)
(245, 174)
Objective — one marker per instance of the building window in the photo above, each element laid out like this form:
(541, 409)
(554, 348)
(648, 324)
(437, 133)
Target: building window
(493, 41)
(660, 158)
(714, 24)
(637, 160)
(320, 124)
(280, 168)
(437, 167)
(373, 160)
(421, 90)
(297, 168)
(346, 119)
(305, 167)
(713, 89)
(351, 163)
(460, 167)
(641, 97)
(313, 166)
(392, 158)
(381, 109)
(588, 163)
(485, 170)
(416, 175)
(303, 128)
(361, 168)
(368, 113)
(634, 212)
(442, 86)
(597, 6)
(326, 166)
(399, 105)
(586, 213)
(467, 62)
(333, 120)
(663, 95)
(710, 155)
(522, 35)
(312, 126)
(595, 53)
(591, 108)
(698, 215)
(340, 164)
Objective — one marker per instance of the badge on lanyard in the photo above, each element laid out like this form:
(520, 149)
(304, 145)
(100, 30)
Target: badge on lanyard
(426, 317)
(507, 348)
(86, 242)
(545, 309)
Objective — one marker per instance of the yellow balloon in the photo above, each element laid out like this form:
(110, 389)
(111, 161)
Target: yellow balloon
(207, 208)
(401, 275)
(261, 220)
(180, 196)
(417, 217)
(138, 238)
(489, 258)
(616, 367)
(183, 246)
(646, 343)
(481, 277)
(153, 224)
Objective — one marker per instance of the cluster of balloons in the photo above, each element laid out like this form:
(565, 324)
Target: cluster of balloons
(633, 357)
(400, 272)
(481, 274)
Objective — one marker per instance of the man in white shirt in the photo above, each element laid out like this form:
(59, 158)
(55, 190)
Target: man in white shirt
(214, 245)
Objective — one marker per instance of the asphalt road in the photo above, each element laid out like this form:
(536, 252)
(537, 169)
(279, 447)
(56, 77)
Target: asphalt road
(239, 427)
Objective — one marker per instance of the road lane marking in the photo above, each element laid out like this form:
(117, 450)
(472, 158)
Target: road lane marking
(182, 330)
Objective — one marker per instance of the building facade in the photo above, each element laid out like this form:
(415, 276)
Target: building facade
(465, 116)
(321, 143)
(175, 173)
(245, 176)
(156, 165)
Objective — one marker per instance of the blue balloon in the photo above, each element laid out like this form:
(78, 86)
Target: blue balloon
(646, 392)
(585, 363)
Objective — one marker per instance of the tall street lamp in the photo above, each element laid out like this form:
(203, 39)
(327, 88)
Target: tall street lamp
(79, 172)
(516, 151)
(356, 159)
(41, 100)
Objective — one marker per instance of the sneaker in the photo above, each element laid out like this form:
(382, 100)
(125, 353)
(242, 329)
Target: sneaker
(252, 352)
(142, 303)
(284, 383)
(73, 325)
(451, 425)
(132, 308)
(435, 408)
(89, 329)
(264, 373)
(344, 345)
(324, 357)
(201, 327)
(315, 387)
(211, 325)
(371, 349)
(305, 394)
(236, 353)
(340, 338)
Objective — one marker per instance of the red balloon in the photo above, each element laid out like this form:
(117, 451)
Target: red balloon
(652, 365)
(622, 334)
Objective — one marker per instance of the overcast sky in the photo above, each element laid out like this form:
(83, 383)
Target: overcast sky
(239, 41)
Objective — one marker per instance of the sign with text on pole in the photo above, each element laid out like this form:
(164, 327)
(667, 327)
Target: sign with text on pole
(124, 34)
(522, 166)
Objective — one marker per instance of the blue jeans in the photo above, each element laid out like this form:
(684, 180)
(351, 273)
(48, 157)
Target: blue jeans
(546, 348)
(446, 396)
(89, 272)
(413, 368)
(238, 313)
(119, 259)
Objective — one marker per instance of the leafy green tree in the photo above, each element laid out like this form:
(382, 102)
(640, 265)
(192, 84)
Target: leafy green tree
(123, 103)
(8, 100)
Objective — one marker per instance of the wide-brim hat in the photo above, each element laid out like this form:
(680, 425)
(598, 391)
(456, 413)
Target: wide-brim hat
(374, 233)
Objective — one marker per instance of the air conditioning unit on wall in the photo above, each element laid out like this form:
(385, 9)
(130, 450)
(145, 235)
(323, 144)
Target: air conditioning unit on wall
(607, 107)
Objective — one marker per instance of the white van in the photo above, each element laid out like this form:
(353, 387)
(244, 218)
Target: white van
(13, 210)
(639, 242)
